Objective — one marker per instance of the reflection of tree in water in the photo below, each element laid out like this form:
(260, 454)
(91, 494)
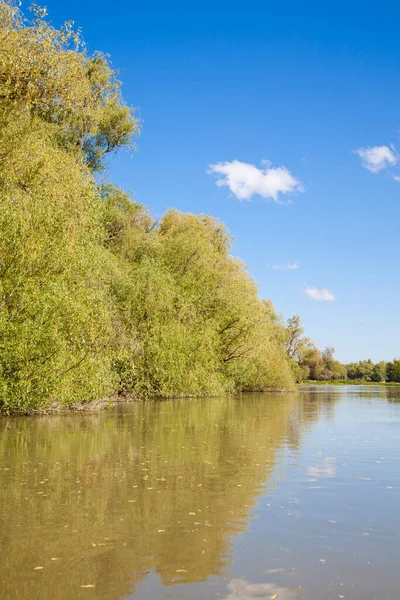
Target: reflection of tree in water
(393, 393)
(390, 393)
(156, 486)
(311, 405)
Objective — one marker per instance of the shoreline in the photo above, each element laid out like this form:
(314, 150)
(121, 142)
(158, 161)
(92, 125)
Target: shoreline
(107, 403)
(350, 382)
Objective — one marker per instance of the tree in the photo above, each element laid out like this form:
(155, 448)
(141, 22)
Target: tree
(60, 114)
(365, 370)
(331, 368)
(352, 370)
(294, 336)
(379, 372)
(307, 361)
(47, 75)
(193, 311)
(393, 370)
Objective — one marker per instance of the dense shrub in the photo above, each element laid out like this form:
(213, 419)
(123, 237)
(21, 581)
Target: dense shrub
(95, 297)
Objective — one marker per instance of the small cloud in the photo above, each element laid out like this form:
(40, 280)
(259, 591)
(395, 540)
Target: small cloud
(322, 294)
(376, 158)
(245, 180)
(289, 267)
(396, 177)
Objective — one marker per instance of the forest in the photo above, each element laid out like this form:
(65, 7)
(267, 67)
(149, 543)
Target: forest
(309, 363)
(97, 298)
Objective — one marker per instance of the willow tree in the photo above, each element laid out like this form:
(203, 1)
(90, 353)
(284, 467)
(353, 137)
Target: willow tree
(61, 113)
(191, 317)
(95, 296)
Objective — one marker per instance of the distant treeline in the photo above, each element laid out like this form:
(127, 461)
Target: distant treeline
(309, 363)
(96, 297)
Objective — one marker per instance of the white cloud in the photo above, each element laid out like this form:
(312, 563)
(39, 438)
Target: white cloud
(289, 267)
(376, 158)
(246, 180)
(396, 177)
(321, 294)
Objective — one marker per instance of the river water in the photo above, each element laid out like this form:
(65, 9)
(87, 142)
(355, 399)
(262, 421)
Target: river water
(288, 496)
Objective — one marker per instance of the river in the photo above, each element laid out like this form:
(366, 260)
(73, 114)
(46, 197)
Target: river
(288, 496)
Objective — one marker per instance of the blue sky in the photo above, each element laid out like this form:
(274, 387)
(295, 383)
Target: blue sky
(303, 85)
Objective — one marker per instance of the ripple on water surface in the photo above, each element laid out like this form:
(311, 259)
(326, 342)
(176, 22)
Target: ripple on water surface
(286, 496)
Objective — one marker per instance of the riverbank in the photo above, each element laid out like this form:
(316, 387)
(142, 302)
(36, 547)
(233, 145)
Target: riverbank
(109, 402)
(350, 382)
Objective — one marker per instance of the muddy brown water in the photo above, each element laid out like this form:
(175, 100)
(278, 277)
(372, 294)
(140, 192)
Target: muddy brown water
(293, 496)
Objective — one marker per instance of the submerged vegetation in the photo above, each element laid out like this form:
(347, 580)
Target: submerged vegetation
(97, 298)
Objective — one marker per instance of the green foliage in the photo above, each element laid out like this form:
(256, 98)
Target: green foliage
(362, 370)
(379, 372)
(393, 371)
(308, 363)
(95, 297)
(189, 311)
(46, 73)
(306, 360)
(54, 320)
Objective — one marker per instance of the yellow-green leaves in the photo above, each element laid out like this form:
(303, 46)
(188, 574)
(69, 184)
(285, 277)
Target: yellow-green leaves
(47, 73)
(95, 297)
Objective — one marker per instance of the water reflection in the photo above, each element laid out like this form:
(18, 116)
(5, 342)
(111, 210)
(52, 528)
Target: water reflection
(241, 589)
(101, 500)
(323, 469)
